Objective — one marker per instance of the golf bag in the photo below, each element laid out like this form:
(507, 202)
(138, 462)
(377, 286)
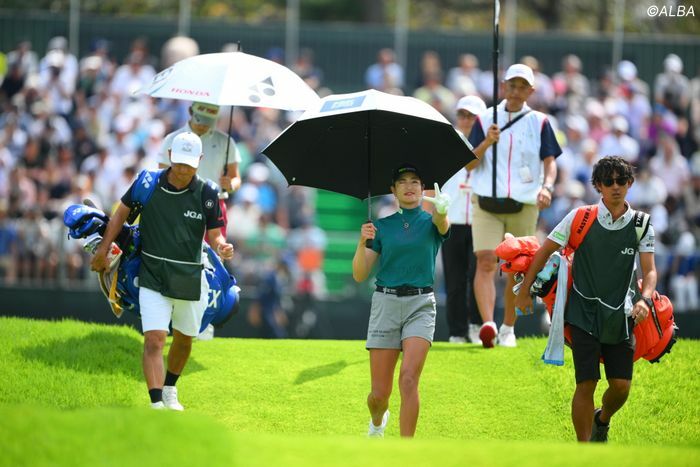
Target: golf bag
(654, 336)
(120, 284)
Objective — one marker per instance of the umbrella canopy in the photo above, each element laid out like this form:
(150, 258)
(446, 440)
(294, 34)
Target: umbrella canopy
(351, 143)
(233, 78)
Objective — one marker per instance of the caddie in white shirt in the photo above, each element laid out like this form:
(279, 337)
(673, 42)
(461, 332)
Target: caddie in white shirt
(214, 145)
(524, 181)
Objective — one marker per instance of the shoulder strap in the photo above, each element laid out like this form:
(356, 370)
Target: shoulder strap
(142, 190)
(145, 185)
(582, 223)
(583, 220)
(513, 122)
(641, 224)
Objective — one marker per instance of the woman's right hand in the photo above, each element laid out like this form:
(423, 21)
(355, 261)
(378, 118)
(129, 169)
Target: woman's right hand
(368, 231)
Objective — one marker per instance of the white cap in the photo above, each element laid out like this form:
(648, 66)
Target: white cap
(673, 63)
(473, 104)
(619, 123)
(186, 148)
(258, 172)
(204, 114)
(520, 71)
(92, 62)
(627, 70)
(55, 58)
(58, 43)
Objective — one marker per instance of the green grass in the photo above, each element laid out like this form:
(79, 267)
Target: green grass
(72, 394)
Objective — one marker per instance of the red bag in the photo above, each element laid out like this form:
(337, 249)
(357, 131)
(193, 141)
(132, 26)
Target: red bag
(517, 252)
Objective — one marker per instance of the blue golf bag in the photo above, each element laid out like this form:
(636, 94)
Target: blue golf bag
(120, 284)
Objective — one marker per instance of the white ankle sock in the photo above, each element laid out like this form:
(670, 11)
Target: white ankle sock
(505, 329)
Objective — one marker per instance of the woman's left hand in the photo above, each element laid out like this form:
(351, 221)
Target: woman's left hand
(441, 200)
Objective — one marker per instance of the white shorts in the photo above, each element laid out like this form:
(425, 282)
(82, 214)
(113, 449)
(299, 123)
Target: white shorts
(158, 310)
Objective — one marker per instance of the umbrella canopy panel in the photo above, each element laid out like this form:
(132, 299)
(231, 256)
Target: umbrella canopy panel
(355, 153)
(233, 78)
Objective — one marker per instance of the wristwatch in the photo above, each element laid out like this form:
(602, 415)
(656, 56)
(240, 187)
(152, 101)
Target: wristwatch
(549, 187)
(649, 302)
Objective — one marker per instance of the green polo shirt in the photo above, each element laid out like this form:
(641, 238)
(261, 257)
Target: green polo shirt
(407, 243)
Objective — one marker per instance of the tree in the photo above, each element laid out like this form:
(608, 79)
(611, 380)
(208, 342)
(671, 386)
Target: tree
(549, 11)
(477, 15)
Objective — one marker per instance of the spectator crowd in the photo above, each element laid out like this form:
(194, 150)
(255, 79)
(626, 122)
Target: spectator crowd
(74, 128)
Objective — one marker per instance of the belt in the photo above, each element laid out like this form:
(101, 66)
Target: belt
(404, 290)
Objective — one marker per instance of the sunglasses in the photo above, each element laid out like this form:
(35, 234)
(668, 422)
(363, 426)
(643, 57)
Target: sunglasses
(620, 181)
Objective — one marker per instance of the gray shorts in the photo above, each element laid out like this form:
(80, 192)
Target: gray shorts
(392, 319)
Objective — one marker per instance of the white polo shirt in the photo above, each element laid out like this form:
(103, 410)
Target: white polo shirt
(214, 148)
(561, 233)
(521, 150)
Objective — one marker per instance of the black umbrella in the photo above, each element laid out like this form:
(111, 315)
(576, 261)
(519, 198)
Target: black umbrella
(351, 143)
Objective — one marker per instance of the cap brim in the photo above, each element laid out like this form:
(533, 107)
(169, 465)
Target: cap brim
(471, 110)
(508, 78)
(184, 159)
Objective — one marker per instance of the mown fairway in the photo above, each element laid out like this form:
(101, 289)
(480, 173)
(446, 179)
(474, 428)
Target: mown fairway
(72, 394)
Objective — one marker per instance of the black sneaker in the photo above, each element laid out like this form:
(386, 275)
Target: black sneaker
(599, 434)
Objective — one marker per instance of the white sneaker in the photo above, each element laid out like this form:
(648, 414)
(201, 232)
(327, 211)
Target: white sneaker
(170, 398)
(378, 431)
(207, 334)
(457, 340)
(488, 333)
(473, 334)
(507, 339)
(158, 405)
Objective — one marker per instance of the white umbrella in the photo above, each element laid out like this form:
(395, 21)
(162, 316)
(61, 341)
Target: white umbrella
(233, 78)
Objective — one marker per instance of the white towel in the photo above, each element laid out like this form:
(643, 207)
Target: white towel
(554, 352)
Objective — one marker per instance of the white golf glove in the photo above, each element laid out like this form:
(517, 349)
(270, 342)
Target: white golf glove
(441, 200)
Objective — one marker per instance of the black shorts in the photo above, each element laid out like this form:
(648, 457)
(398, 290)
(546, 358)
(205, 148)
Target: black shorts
(618, 359)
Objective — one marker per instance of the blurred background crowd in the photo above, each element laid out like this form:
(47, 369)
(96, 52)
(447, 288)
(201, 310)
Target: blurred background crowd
(73, 128)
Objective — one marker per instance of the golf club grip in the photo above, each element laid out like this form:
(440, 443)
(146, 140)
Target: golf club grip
(88, 202)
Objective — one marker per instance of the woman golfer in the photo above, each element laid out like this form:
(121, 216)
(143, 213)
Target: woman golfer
(402, 317)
